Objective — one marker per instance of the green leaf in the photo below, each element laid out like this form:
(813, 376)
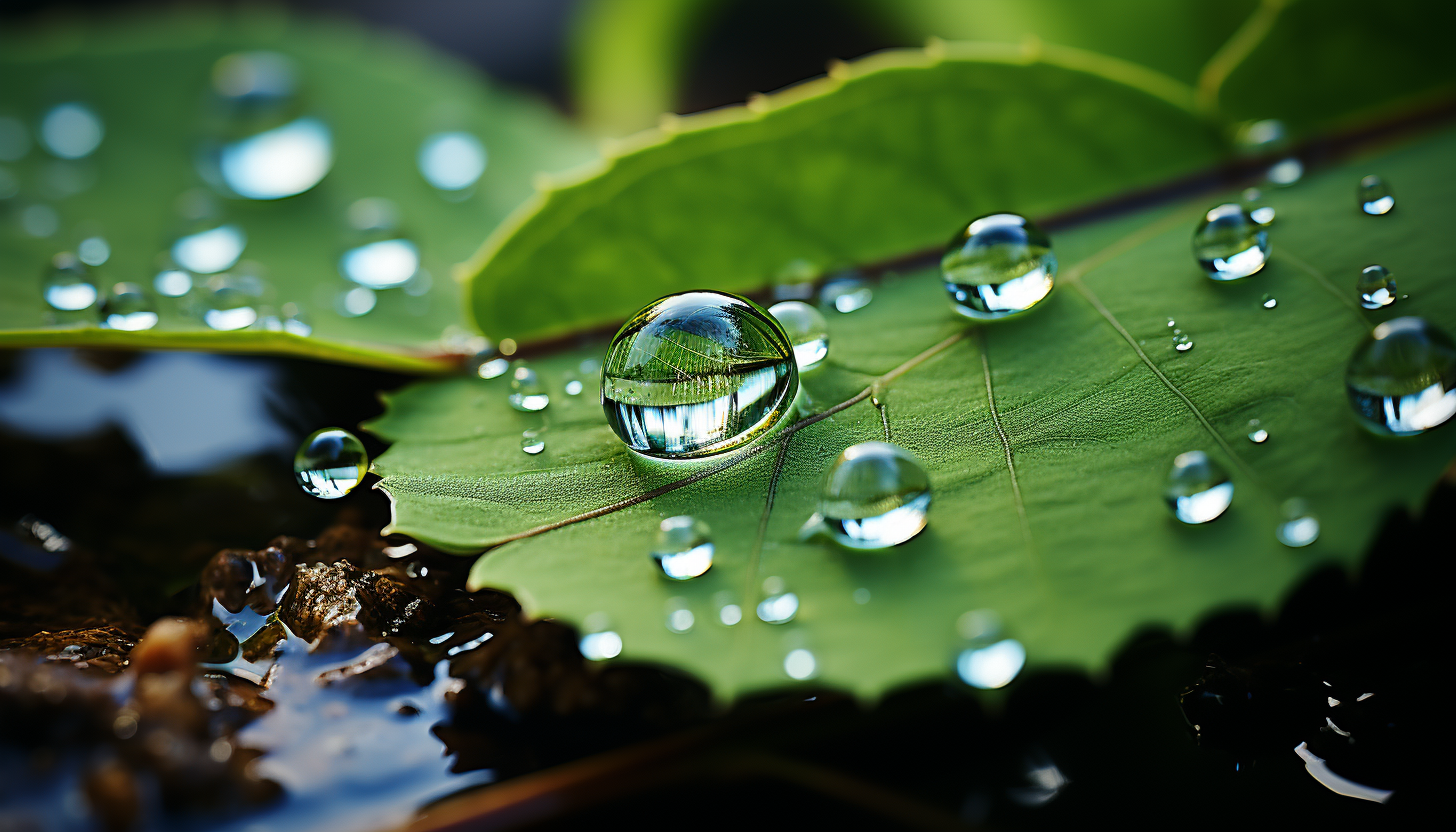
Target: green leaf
(1047, 440)
(147, 77)
(806, 175)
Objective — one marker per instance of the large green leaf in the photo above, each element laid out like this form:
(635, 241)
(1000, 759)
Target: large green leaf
(1046, 439)
(887, 156)
(146, 78)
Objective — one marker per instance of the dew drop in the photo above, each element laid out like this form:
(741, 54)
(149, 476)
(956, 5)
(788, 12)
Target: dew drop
(39, 220)
(1376, 287)
(278, 163)
(729, 614)
(846, 294)
(777, 605)
(998, 266)
(1228, 244)
(172, 283)
(532, 442)
(807, 331)
(488, 363)
(1198, 489)
(127, 307)
(290, 319)
(1298, 525)
(684, 548)
(262, 145)
(527, 393)
(1374, 196)
(1182, 343)
(93, 251)
(68, 285)
(1262, 214)
(71, 130)
(875, 496)
(680, 619)
(355, 302)
(330, 463)
(1286, 172)
(800, 664)
(211, 250)
(230, 303)
(452, 161)
(697, 373)
(1257, 435)
(993, 666)
(574, 387)
(1269, 302)
(1402, 378)
(381, 257)
(599, 642)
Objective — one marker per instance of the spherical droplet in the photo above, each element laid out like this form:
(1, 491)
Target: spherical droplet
(998, 266)
(487, 363)
(599, 642)
(1198, 489)
(533, 442)
(807, 331)
(172, 283)
(846, 294)
(875, 496)
(1374, 196)
(330, 463)
(680, 619)
(1298, 525)
(1376, 287)
(71, 130)
(800, 664)
(1402, 378)
(527, 393)
(697, 373)
(777, 605)
(452, 161)
(1228, 244)
(93, 251)
(1262, 214)
(210, 250)
(1182, 343)
(128, 307)
(991, 666)
(380, 257)
(68, 285)
(1257, 435)
(684, 548)
(229, 304)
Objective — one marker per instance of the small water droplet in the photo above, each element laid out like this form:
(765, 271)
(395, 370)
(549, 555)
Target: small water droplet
(93, 251)
(1262, 214)
(1401, 379)
(1298, 525)
(290, 319)
(1257, 435)
(1270, 302)
(380, 257)
(697, 373)
(488, 364)
(68, 285)
(71, 130)
(800, 664)
(172, 283)
(1182, 343)
(1172, 323)
(261, 145)
(680, 619)
(993, 666)
(533, 442)
(1286, 172)
(210, 250)
(846, 294)
(452, 161)
(1228, 244)
(875, 496)
(599, 642)
(354, 302)
(230, 302)
(1198, 489)
(127, 307)
(729, 613)
(1375, 287)
(1374, 196)
(1000, 265)
(684, 548)
(807, 331)
(574, 387)
(777, 605)
(330, 463)
(527, 392)
(1261, 136)
(861, 596)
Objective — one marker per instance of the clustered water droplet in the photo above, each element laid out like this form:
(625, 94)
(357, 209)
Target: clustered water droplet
(330, 463)
(1375, 287)
(807, 331)
(1229, 244)
(1374, 196)
(875, 496)
(1401, 379)
(998, 266)
(684, 548)
(1198, 490)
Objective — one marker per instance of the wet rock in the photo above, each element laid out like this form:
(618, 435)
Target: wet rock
(257, 579)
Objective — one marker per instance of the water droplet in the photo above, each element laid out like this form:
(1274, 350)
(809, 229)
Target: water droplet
(527, 393)
(357, 301)
(330, 463)
(1402, 378)
(290, 319)
(68, 285)
(1262, 214)
(1270, 302)
(846, 294)
(684, 547)
(278, 163)
(778, 605)
(807, 331)
(382, 257)
(1228, 244)
(93, 251)
(488, 363)
(1286, 172)
(1198, 489)
(1376, 287)
(1298, 525)
(211, 250)
(532, 442)
(992, 666)
(1000, 265)
(127, 307)
(599, 642)
(452, 161)
(697, 373)
(14, 139)
(1181, 342)
(730, 614)
(1257, 435)
(680, 619)
(800, 664)
(261, 144)
(795, 281)
(230, 302)
(1261, 136)
(71, 130)
(574, 387)
(875, 496)
(172, 283)
(1374, 196)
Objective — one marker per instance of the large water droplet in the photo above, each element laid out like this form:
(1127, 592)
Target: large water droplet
(684, 548)
(875, 496)
(697, 373)
(1402, 378)
(777, 605)
(127, 307)
(68, 285)
(1198, 489)
(1376, 287)
(452, 161)
(1374, 196)
(1298, 525)
(807, 331)
(211, 250)
(800, 664)
(277, 163)
(262, 146)
(330, 463)
(846, 294)
(1000, 265)
(71, 130)
(527, 392)
(1228, 244)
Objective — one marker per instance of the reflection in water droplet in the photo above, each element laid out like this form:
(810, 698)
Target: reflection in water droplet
(1182, 343)
(330, 463)
(680, 619)
(277, 163)
(68, 285)
(684, 547)
(1257, 435)
(71, 130)
(532, 442)
(127, 307)
(1270, 302)
(1228, 244)
(1376, 287)
(1298, 525)
(1198, 489)
(527, 393)
(875, 496)
(992, 666)
(1374, 196)
(800, 664)
(93, 251)
(778, 605)
(697, 373)
(807, 331)
(846, 294)
(14, 139)
(383, 264)
(452, 161)
(357, 301)
(230, 303)
(172, 283)
(210, 251)
(1000, 265)
(1402, 378)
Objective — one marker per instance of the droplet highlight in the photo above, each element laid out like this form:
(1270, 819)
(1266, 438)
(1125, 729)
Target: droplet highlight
(1228, 244)
(1298, 525)
(684, 548)
(68, 285)
(777, 605)
(1198, 490)
(1375, 287)
(1257, 434)
(527, 393)
(452, 161)
(875, 496)
(1401, 379)
(846, 294)
(330, 463)
(1269, 302)
(1000, 265)
(800, 664)
(533, 442)
(807, 331)
(71, 130)
(211, 250)
(1374, 196)
(127, 307)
